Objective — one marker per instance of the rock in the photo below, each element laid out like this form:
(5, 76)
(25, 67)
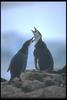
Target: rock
(54, 92)
(29, 85)
(31, 76)
(3, 80)
(59, 79)
(9, 90)
(60, 71)
(17, 95)
(49, 82)
(35, 84)
(17, 82)
(35, 94)
(63, 70)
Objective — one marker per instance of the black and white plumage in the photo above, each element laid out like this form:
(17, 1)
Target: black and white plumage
(42, 56)
(19, 61)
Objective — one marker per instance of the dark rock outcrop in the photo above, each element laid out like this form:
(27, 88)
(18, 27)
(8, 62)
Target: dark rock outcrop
(3, 80)
(63, 70)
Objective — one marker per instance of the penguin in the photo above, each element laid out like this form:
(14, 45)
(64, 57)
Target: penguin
(19, 61)
(42, 56)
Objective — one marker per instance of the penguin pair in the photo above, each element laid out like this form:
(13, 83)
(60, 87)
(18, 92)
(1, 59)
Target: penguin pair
(42, 56)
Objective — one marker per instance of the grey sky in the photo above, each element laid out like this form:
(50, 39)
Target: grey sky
(48, 17)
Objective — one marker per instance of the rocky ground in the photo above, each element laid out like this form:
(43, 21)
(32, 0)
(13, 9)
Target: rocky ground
(36, 84)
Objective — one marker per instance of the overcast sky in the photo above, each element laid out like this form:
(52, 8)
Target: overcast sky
(48, 17)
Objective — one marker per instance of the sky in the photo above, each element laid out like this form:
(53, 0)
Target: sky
(48, 17)
(21, 17)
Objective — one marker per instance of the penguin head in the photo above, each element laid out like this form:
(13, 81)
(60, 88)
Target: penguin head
(30, 41)
(37, 35)
(27, 43)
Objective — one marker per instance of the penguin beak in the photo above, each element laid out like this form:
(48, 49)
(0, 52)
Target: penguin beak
(34, 31)
(32, 39)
